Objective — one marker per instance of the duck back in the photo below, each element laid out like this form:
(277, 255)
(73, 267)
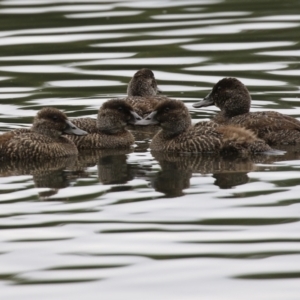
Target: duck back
(34, 146)
(271, 126)
(102, 140)
(211, 137)
(87, 124)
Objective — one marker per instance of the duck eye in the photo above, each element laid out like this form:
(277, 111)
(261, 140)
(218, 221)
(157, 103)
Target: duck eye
(54, 117)
(166, 109)
(120, 108)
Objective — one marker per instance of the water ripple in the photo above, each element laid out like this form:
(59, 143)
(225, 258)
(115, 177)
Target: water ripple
(152, 225)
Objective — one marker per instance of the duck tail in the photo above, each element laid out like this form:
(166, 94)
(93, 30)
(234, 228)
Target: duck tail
(237, 134)
(241, 140)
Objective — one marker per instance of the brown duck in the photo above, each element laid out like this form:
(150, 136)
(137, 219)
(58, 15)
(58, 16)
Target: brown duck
(179, 135)
(143, 84)
(108, 131)
(234, 100)
(142, 92)
(43, 140)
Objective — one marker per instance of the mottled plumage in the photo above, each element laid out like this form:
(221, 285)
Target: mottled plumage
(143, 106)
(142, 84)
(234, 100)
(108, 131)
(179, 135)
(43, 140)
(142, 92)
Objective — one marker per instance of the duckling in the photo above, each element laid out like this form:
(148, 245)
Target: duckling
(234, 100)
(43, 140)
(179, 135)
(108, 131)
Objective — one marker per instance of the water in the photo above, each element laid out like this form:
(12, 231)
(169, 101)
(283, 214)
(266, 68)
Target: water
(136, 224)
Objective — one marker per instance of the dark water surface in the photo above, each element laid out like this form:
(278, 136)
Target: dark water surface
(136, 224)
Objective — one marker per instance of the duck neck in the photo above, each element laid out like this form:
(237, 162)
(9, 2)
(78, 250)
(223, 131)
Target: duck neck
(49, 131)
(110, 125)
(140, 89)
(237, 106)
(177, 127)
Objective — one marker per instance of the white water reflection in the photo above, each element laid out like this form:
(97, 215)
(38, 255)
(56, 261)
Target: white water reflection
(37, 69)
(66, 57)
(145, 61)
(201, 15)
(278, 18)
(167, 3)
(240, 67)
(236, 46)
(8, 111)
(225, 29)
(106, 14)
(42, 2)
(286, 72)
(4, 78)
(179, 88)
(59, 8)
(15, 89)
(90, 103)
(81, 83)
(14, 95)
(144, 43)
(286, 53)
(41, 39)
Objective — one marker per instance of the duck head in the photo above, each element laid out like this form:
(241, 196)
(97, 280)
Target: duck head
(172, 115)
(114, 115)
(53, 122)
(230, 95)
(143, 84)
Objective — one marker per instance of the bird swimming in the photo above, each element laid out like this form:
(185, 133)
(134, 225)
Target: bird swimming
(234, 101)
(43, 140)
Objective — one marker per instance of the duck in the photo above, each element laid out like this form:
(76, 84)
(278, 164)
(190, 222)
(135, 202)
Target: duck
(143, 84)
(232, 97)
(177, 133)
(143, 92)
(43, 140)
(109, 130)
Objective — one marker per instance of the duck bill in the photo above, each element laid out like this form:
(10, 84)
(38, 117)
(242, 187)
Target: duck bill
(149, 120)
(134, 118)
(72, 129)
(207, 101)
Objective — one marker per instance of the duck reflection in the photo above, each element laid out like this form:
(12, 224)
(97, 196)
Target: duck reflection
(176, 170)
(229, 171)
(113, 169)
(111, 165)
(46, 173)
(58, 173)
